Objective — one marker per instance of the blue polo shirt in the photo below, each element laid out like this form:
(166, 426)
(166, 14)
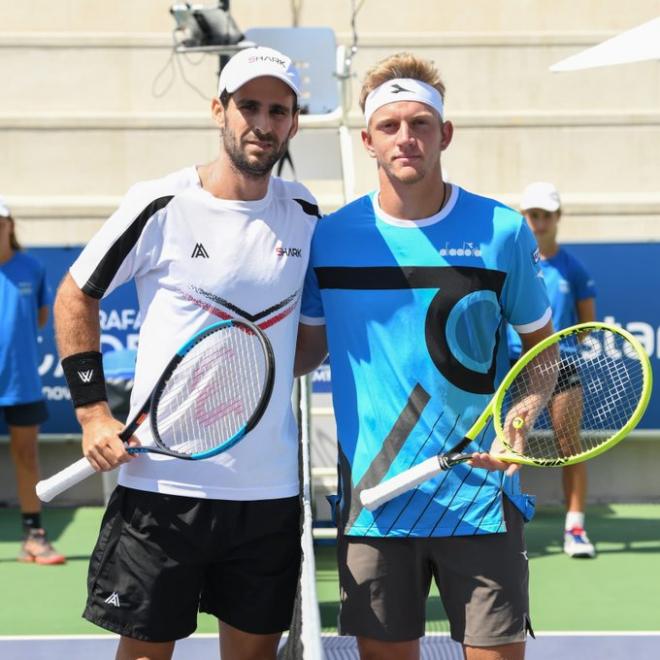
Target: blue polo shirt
(23, 290)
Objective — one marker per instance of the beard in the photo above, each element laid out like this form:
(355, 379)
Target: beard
(255, 167)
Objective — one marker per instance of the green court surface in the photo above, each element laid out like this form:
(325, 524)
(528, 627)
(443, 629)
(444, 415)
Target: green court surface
(616, 591)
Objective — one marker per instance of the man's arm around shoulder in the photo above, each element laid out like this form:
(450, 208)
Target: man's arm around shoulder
(311, 348)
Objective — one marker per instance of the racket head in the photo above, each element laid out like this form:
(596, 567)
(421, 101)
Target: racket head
(214, 390)
(596, 380)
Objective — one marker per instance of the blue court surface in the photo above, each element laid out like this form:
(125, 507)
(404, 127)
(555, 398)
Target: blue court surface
(547, 646)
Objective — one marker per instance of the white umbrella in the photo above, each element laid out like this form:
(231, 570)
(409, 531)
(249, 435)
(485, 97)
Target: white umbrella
(640, 43)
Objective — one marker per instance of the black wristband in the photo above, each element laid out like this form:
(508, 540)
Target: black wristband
(85, 378)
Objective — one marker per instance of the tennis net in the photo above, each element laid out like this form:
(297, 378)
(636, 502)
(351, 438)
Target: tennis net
(304, 639)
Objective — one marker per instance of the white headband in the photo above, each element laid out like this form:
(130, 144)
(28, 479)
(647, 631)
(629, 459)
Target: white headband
(402, 89)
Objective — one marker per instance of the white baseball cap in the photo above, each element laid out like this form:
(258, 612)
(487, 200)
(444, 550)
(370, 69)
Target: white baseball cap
(4, 209)
(540, 195)
(251, 63)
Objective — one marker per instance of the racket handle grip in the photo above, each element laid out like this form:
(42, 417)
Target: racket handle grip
(372, 498)
(64, 479)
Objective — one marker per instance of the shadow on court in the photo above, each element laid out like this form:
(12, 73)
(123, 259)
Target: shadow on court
(626, 536)
(55, 521)
(612, 533)
(436, 619)
(71, 530)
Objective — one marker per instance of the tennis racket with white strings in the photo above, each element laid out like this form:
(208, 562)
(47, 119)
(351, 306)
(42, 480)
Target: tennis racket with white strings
(211, 394)
(568, 399)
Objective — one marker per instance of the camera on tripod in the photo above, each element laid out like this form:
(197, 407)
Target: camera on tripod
(204, 27)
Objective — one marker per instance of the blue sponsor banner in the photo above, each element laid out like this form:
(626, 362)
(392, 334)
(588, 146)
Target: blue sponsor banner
(321, 378)
(119, 330)
(626, 276)
(627, 294)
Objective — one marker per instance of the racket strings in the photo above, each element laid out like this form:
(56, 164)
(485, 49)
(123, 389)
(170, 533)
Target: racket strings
(213, 391)
(571, 402)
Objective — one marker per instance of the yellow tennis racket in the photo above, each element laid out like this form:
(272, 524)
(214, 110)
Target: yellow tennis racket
(571, 397)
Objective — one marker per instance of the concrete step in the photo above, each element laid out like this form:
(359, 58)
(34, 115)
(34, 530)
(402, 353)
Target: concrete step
(84, 75)
(510, 73)
(98, 161)
(388, 16)
(108, 161)
(499, 73)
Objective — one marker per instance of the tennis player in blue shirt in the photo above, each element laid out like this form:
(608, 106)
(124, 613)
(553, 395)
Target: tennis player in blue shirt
(572, 296)
(24, 300)
(410, 288)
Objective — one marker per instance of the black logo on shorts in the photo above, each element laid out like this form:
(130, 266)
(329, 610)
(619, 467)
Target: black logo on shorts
(199, 251)
(397, 89)
(113, 599)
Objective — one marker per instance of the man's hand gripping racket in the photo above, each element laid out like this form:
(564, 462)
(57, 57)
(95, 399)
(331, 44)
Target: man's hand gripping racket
(609, 389)
(211, 394)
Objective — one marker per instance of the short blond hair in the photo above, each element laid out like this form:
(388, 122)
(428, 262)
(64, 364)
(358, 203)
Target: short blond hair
(401, 65)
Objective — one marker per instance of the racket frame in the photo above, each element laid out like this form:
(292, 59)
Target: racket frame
(511, 455)
(150, 407)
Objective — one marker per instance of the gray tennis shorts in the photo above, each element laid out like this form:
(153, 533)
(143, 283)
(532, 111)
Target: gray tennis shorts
(483, 584)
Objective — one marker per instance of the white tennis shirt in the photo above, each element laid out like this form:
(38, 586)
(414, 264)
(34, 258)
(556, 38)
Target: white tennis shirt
(197, 259)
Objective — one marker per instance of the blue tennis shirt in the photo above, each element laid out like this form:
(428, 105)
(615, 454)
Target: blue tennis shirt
(23, 290)
(415, 317)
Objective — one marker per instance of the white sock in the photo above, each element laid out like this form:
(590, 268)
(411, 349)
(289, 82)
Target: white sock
(574, 519)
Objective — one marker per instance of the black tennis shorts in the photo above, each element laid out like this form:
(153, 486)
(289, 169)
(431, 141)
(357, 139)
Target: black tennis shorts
(25, 414)
(161, 558)
(568, 377)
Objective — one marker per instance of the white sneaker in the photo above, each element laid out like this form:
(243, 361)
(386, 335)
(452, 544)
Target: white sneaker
(577, 543)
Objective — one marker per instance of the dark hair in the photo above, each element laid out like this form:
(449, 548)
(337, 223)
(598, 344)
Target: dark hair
(13, 241)
(225, 96)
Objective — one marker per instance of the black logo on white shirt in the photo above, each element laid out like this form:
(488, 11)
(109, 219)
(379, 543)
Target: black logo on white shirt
(199, 251)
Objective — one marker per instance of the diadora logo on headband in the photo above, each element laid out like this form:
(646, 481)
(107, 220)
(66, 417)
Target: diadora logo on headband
(403, 89)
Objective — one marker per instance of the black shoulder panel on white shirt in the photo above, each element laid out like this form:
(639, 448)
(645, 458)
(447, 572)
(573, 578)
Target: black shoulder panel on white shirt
(308, 207)
(103, 274)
